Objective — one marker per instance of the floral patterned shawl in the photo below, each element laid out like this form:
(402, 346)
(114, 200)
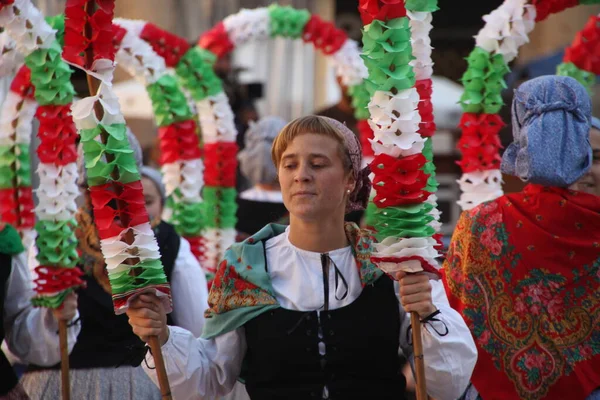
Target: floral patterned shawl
(242, 288)
(524, 271)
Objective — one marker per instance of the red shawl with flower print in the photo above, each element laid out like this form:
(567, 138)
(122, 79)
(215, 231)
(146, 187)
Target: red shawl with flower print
(524, 271)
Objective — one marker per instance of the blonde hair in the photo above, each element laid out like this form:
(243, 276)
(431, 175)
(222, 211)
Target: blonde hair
(309, 124)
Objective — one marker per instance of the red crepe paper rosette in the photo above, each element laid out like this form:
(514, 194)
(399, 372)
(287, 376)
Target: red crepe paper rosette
(546, 7)
(51, 280)
(365, 133)
(111, 221)
(425, 107)
(324, 35)
(24, 196)
(57, 135)
(480, 142)
(21, 83)
(197, 245)
(179, 141)
(585, 50)
(399, 181)
(427, 267)
(216, 40)
(4, 3)
(118, 34)
(167, 45)
(120, 300)
(76, 42)
(383, 10)
(8, 207)
(221, 164)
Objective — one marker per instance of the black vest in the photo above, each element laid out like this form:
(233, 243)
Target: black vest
(107, 340)
(253, 215)
(361, 343)
(8, 378)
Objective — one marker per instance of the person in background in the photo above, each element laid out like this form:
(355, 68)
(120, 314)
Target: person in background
(343, 110)
(105, 360)
(524, 269)
(263, 202)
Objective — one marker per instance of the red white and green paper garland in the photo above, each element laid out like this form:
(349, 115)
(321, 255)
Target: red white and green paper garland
(49, 77)
(506, 29)
(397, 53)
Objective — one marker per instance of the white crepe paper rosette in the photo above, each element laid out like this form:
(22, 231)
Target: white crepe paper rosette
(140, 60)
(420, 27)
(396, 152)
(57, 192)
(217, 241)
(28, 237)
(132, 26)
(11, 58)
(479, 187)
(392, 247)
(248, 24)
(83, 110)
(348, 64)
(216, 119)
(395, 119)
(21, 133)
(507, 28)
(187, 176)
(435, 213)
(27, 27)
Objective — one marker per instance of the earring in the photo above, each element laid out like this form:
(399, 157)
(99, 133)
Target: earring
(348, 191)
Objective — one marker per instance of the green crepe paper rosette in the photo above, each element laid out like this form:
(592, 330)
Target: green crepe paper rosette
(483, 82)
(586, 78)
(57, 23)
(51, 76)
(360, 101)
(168, 101)
(99, 171)
(195, 72)
(287, 21)
(429, 167)
(589, 2)
(17, 156)
(56, 242)
(387, 52)
(51, 301)
(185, 217)
(219, 207)
(147, 272)
(404, 221)
(422, 5)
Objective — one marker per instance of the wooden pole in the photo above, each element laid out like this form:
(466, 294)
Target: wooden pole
(93, 85)
(64, 360)
(420, 384)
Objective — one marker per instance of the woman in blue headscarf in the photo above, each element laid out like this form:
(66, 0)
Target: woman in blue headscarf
(524, 269)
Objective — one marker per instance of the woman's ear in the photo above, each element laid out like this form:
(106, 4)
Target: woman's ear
(351, 183)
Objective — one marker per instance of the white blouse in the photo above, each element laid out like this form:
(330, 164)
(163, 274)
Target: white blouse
(200, 368)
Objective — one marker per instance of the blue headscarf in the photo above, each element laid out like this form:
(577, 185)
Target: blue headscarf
(551, 119)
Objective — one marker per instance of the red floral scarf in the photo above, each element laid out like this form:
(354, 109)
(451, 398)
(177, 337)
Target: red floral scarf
(524, 271)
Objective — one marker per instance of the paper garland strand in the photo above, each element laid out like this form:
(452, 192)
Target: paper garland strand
(48, 78)
(497, 44)
(397, 54)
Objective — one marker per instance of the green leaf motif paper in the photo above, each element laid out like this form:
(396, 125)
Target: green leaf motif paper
(195, 72)
(586, 78)
(168, 101)
(51, 76)
(287, 21)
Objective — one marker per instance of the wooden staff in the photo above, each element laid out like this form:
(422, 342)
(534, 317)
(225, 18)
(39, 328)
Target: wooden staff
(93, 85)
(64, 360)
(421, 387)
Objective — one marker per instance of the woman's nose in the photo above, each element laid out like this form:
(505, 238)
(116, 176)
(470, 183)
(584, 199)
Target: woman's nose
(302, 174)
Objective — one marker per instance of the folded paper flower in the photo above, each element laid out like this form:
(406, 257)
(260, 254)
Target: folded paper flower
(11, 57)
(360, 100)
(216, 40)
(220, 207)
(197, 246)
(57, 192)
(221, 164)
(84, 115)
(546, 7)
(168, 101)
(421, 5)
(52, 280)
(21, 83)
(402, 250)
(480, 142)
(50, 75)
(57, 135)
(56, 243)
(427, 126)
(247, 25)
(216, 119)
(195, 72)
(187, 217)
(4, 3)
(9, 211)
(185, 176)
(478, 187)
(217, 241)
(383, 10)
(16, 207)
(365, 134)
(15, 166)
(587, 79)
(121, 301)
(139, 59)
(583, 52)
(420, 26)
(26, 25)
(324, 35)
(16, 119)
(118, 206)
(166, 44)
(349, 66)
(392, 220)
(178, 141)
(287, 21)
